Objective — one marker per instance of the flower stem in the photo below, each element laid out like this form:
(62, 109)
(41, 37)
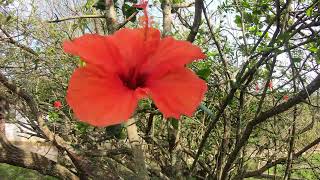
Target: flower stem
(136, 146)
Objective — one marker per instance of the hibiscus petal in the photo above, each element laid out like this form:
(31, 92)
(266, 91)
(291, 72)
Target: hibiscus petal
(178, 92)
(95, 49)
(99, 98)
(171, 54)
(136, 44)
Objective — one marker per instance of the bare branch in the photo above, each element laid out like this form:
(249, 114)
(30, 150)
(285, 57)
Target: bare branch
(196, 21)
(166, 8)
(76, 17)
(183, 5)
(10, 40)
(111, 16)
(85, 167)
(13, 155)
(311, 88)
(136, 145)
(280, 160)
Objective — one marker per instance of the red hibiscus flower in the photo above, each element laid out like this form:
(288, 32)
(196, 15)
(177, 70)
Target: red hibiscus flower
(129, 65)
(57, 104)
(257, 88)
(270, 85)
(142, 5)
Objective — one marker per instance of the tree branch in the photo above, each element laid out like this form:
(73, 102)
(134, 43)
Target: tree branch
(10, 40)
(85, 167)
(183, 5)
(136, 145)
(76, 17)
(196, 21)
(280, 160)
(216, 42)
(311, 88)
(111, 16)
(166, 8)
(15, 156)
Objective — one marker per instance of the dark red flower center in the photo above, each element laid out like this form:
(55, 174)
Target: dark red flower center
(133, 79)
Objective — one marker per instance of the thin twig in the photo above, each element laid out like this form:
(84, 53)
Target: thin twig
(76, 17)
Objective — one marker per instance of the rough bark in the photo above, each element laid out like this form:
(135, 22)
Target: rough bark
(196, 21)
(136, 145)
(166, 8)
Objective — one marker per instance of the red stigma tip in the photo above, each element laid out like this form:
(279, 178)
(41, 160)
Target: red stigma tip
(143, 4)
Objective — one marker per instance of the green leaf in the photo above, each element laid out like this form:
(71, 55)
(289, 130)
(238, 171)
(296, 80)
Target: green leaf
(128, 10)
(8, 18)
(100, 5)
(81, 127)
(245, 4)
(238, 20)
(174, 123)
(259, 33)
(264, 6)
(115, 131)
(256, 12)
(206, 110)
(212, 53)
(248, 17)
(145, 104)
(284, 36)
(178, 1)
(204, 73)
(265, 49)
(89, 4)
(313, 49)
(252, 28)
(81, 63)
(296, 60)
(53, 116)
(309, 11)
